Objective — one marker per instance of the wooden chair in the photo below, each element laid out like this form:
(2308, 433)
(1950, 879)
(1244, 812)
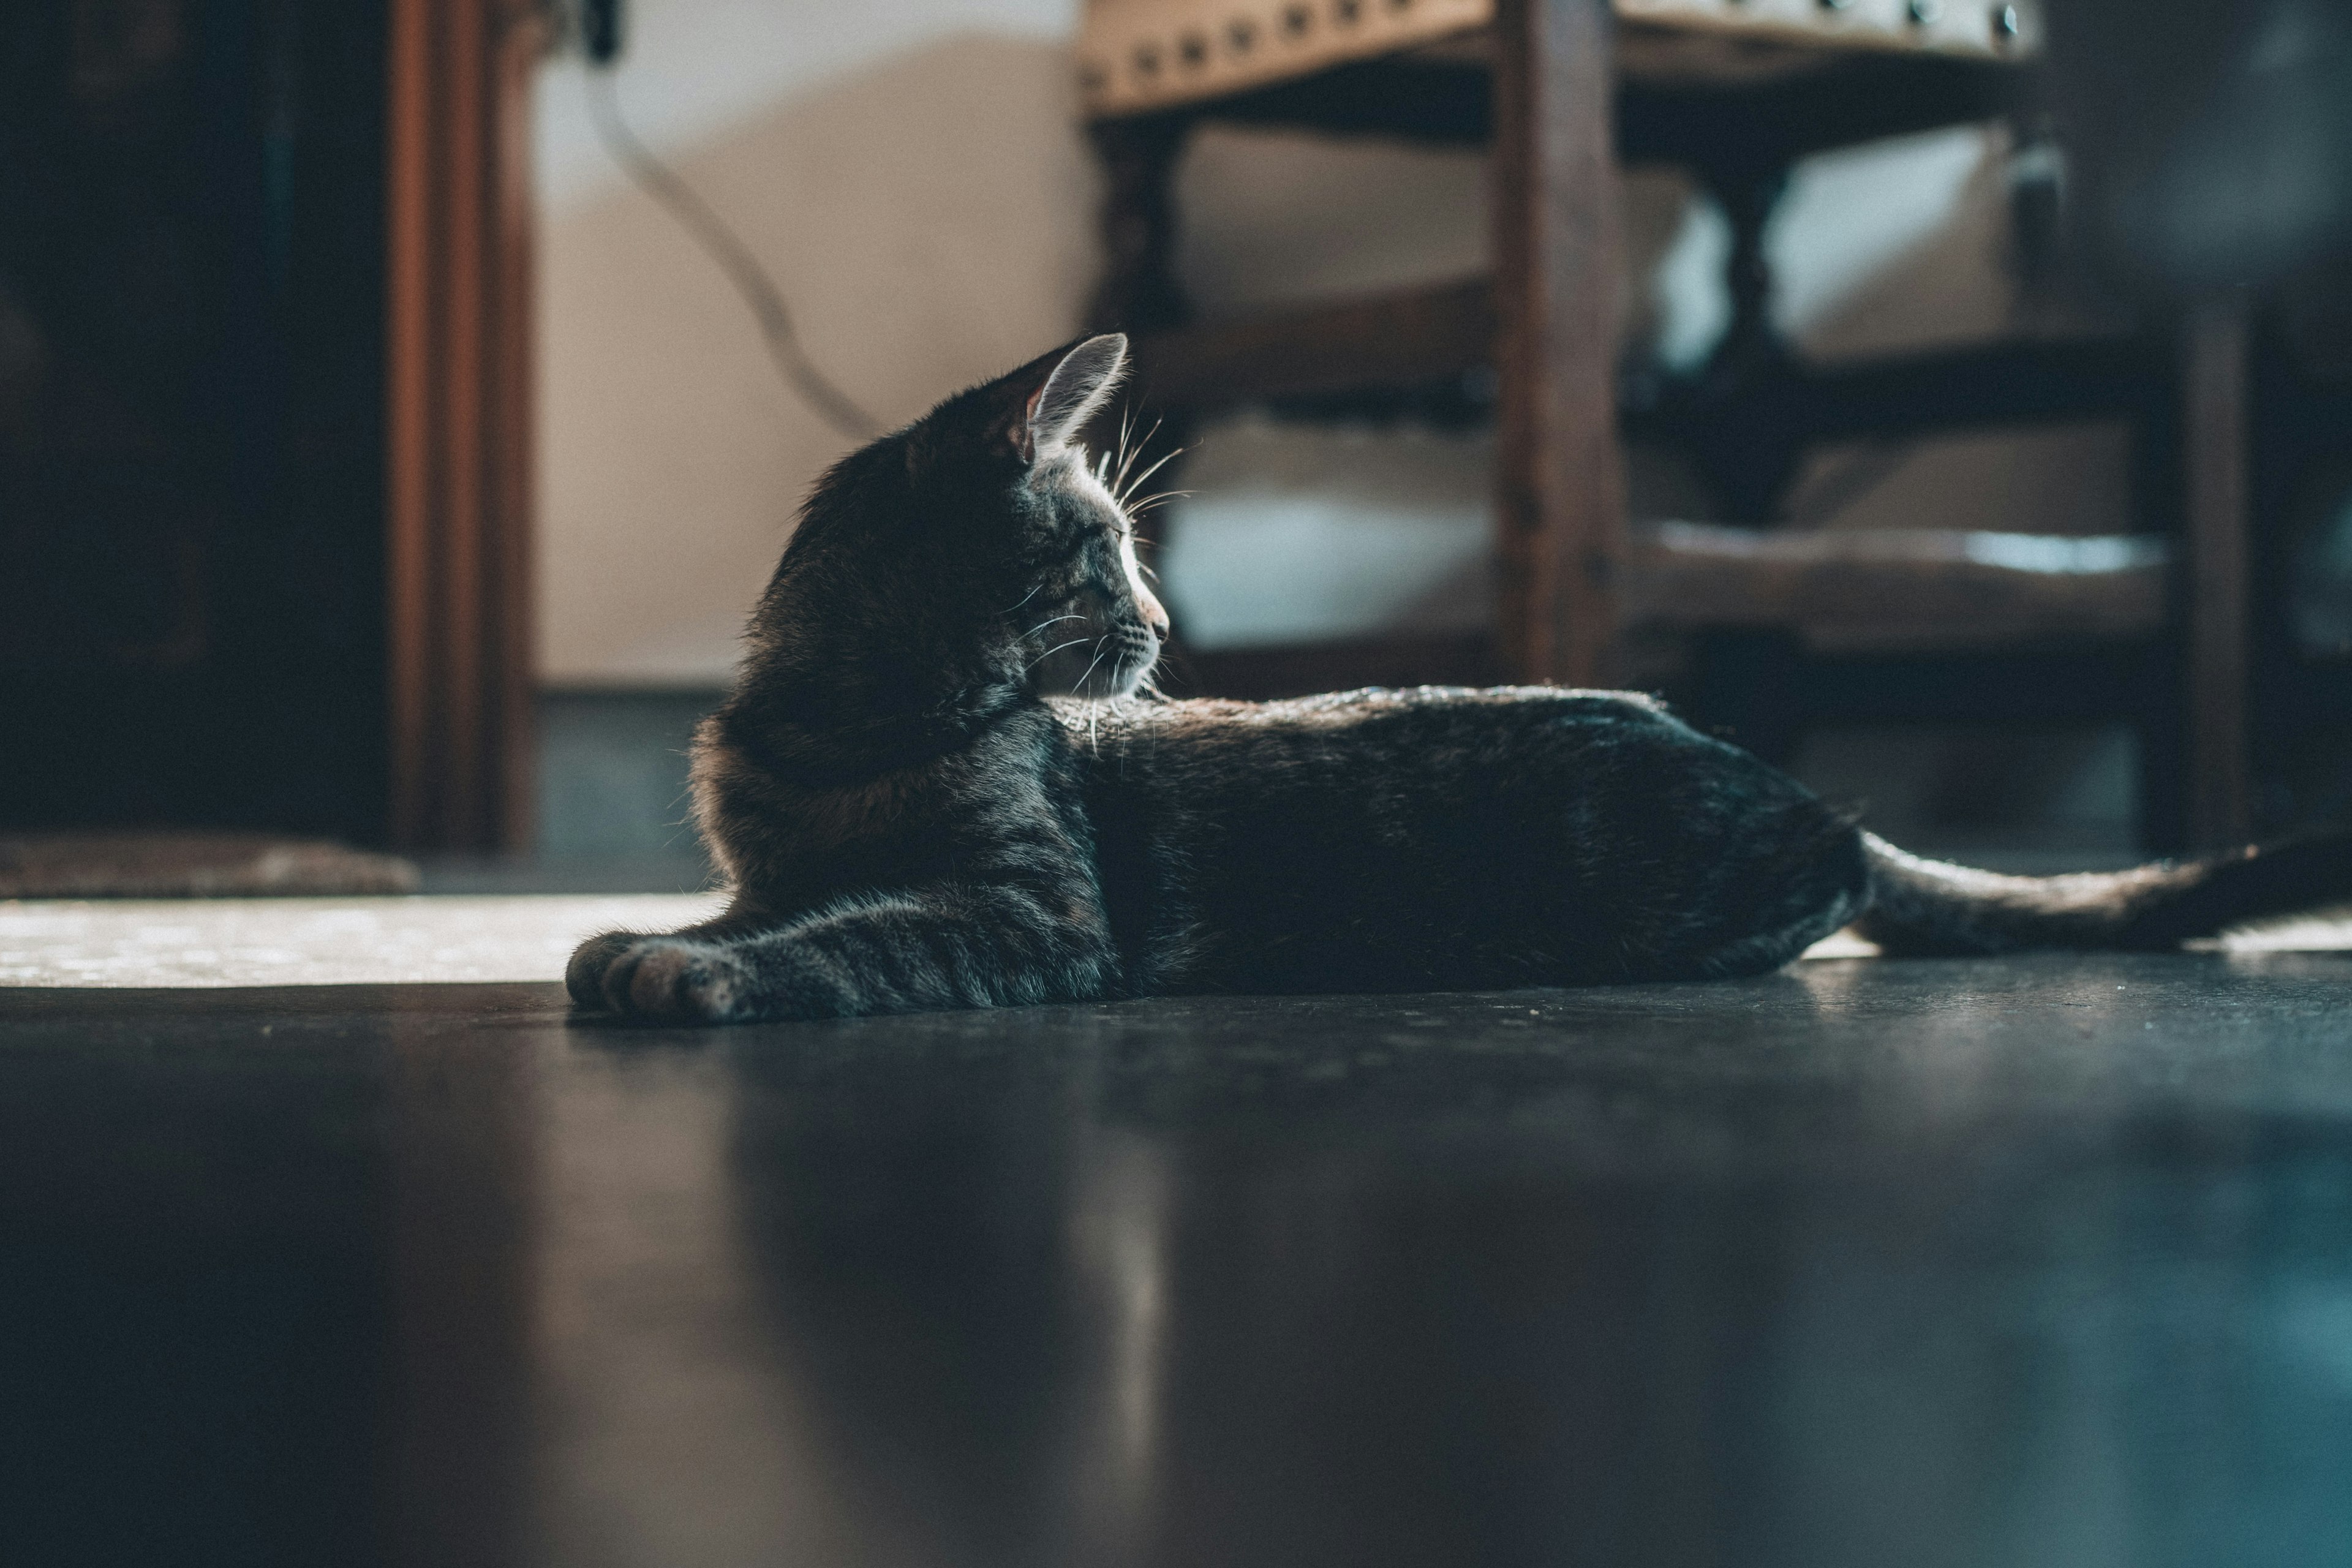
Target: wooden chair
(1735, 91)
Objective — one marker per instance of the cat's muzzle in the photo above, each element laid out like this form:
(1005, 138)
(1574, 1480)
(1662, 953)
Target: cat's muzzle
(1105, 667)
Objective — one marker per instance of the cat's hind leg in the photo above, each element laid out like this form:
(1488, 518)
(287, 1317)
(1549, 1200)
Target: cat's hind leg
(920, 951)
(1788, 884)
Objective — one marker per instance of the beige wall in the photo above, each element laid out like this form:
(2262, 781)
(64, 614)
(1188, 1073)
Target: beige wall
(926, 215)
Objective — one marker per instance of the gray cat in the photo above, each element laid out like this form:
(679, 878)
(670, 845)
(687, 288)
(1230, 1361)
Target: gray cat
(942, 780)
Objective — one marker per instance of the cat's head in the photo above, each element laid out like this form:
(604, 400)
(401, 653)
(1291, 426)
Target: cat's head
(983, 544)
(1075, 610)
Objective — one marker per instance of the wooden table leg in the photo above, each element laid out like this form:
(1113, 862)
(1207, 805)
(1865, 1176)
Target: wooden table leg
(1138, 293)
(2213, 432)
(1560, 485)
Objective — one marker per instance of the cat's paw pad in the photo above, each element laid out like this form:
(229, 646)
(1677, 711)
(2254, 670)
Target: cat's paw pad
(674, 979)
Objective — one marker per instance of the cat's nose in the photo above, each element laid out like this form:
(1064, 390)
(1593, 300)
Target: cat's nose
(1155, 614)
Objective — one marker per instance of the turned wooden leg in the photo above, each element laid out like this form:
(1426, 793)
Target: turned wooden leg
(1750, 461)
(1139, 295)
(1138, 292)
(1560, 485)
(2214, 443)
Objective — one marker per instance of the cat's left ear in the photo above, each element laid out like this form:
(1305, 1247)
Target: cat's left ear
(1052, 398)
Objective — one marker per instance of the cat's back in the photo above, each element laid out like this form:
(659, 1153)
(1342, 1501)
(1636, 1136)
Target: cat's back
(1367, 734)
(1439, 836)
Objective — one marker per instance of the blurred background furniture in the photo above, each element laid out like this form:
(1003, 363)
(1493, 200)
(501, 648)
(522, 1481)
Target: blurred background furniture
(267, 396)
(2212, 144)
(1785, 627)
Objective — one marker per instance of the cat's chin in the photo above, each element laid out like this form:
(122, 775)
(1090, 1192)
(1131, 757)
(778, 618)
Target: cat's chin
(1101, 687)
(1099, 680)
(1133, 676)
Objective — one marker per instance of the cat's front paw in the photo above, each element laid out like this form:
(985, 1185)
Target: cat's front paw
(584, 975)
(662, 978)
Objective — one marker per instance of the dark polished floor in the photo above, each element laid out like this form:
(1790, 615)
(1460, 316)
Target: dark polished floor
(2034, 1262)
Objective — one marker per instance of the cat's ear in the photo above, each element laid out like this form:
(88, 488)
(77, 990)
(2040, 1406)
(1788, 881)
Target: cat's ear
(1050, 399)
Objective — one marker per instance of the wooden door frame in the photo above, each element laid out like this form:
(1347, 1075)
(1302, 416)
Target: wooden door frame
(458, 427)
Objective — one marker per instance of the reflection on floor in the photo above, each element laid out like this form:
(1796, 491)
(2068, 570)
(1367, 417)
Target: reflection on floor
(2043, 1260)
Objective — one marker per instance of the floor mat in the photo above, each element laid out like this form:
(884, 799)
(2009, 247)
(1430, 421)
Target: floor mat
(192, 866)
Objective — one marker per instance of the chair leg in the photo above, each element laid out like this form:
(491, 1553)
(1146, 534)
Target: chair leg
(1139, 290)
(1750, 450)
(1140, 294)
(1749, 687)
(1560, 485)
(2215, 448)
(2163, 755)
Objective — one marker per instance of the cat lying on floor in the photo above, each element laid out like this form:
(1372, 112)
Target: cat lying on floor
(936, 787)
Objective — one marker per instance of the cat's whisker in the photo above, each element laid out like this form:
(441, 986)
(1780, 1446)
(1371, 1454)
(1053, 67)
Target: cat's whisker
(1108, 458)
(1126, 432)
(1102, 646)
(1025, 598)
(1137, 508)
(1041, 626)
(1050, 653)
(1127, 459)
(1103, 458)
(1126, 456)
(1128, 486)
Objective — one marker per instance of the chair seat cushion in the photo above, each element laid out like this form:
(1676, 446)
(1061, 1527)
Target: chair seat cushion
(1136, 55)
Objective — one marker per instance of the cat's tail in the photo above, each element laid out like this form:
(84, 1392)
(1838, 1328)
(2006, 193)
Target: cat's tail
(1928, 907)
